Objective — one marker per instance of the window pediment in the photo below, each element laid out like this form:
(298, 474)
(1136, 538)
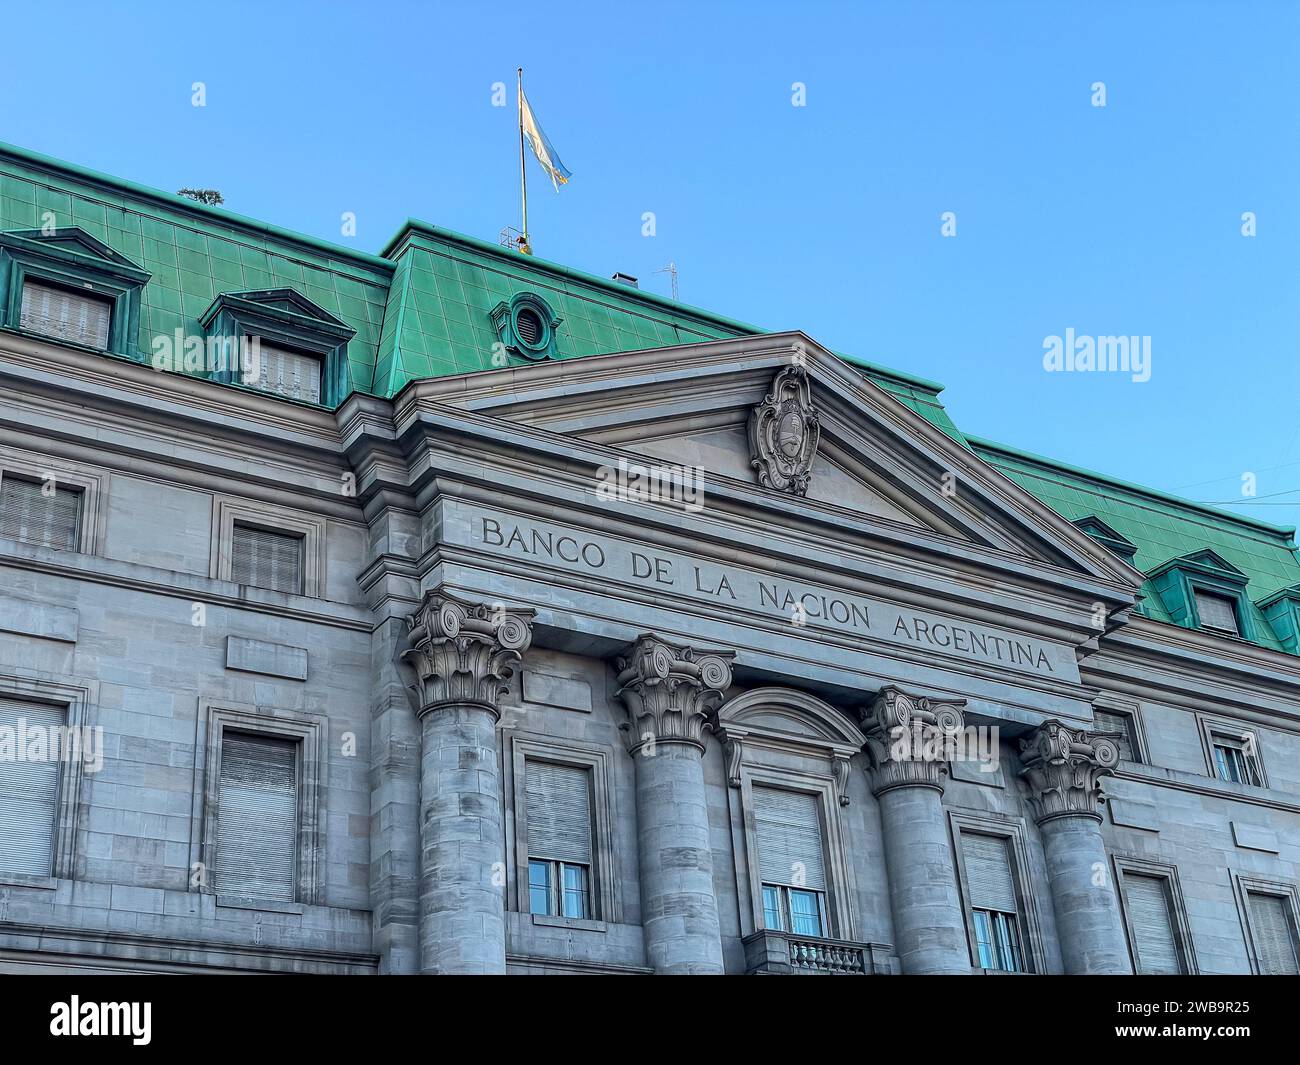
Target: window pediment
(1116, 542)
(783, 720)
(73, 244)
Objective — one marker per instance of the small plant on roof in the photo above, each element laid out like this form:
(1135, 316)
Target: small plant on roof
(211, 197)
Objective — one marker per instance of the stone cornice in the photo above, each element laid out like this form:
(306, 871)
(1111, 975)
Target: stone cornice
(909, 739)
(1063, 768)
(669, 691)
(1199, 672)
(190, 587)
(465, 653)
(475, 456)
(129, 382)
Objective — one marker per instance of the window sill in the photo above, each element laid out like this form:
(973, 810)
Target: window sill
(242, 902)
(45, 338)
(547, 921)
(30, 880)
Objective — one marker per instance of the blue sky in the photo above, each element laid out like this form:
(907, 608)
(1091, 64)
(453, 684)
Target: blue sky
(1117, 220)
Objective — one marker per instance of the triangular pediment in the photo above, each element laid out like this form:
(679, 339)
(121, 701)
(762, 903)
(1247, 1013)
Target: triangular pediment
(875, 459)
(72, 241)
(725, 451)
(1205, 561)
(287, 301)
(1108, 537)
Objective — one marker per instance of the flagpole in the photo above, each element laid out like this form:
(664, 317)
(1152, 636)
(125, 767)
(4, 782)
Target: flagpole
(523, 173)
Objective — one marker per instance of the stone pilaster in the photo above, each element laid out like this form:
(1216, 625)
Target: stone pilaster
(668, 691)
(464, 654)
(908, 751)
(1063, 768)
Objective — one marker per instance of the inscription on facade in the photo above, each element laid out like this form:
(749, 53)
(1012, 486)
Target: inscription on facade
(631, 564)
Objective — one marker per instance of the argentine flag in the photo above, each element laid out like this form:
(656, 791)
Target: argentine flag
(542, 148)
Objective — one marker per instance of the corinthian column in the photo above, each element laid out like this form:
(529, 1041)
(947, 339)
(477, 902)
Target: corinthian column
(1063, 768)
(668, 691)
(908, 750)
(464, 653)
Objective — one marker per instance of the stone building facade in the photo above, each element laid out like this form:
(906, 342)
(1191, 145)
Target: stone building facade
(508, 619)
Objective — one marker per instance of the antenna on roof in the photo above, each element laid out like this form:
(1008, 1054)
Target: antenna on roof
(513, 239)
(671, 271)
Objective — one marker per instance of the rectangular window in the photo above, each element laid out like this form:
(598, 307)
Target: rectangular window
(1150, 916)
(994, 911)
(559, 817)
(1217, 612)
(266, 559)
(29, 792)
(66, 315)
(791, 863)
(288, 373)
(257, 817)
(1234, 758)
(1120, 723)
(1273, 933)
(40, 512)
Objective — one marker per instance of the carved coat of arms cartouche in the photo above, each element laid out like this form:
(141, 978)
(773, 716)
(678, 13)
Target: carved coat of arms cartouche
(783, 433)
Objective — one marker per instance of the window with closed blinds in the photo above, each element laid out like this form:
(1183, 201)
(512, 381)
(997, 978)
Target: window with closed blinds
(558, 807)
(988, 873)
(1217, 612)
(266, 559)
(38, 512)
(257, 817)
(1151, 921)
(29, 794)
(66, 315)
(788, 827)
(288, 373)
(1120, 723)
(1270, 926)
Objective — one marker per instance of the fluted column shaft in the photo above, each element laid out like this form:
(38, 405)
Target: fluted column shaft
(668, 691)
(1064, 768)
(464, 654)
(906, 766)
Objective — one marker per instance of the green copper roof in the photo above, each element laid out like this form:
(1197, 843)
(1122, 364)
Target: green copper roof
(422, 308)
(1162, 527)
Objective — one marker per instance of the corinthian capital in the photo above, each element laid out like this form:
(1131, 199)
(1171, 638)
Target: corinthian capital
(910, 739)
(463, 652)
(1063, 768)
(669, 690)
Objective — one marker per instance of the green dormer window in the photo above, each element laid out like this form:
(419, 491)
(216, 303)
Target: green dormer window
(67, 286)
(1282, 609)
(1116, 543)
(1205, 591)
(279, 341)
